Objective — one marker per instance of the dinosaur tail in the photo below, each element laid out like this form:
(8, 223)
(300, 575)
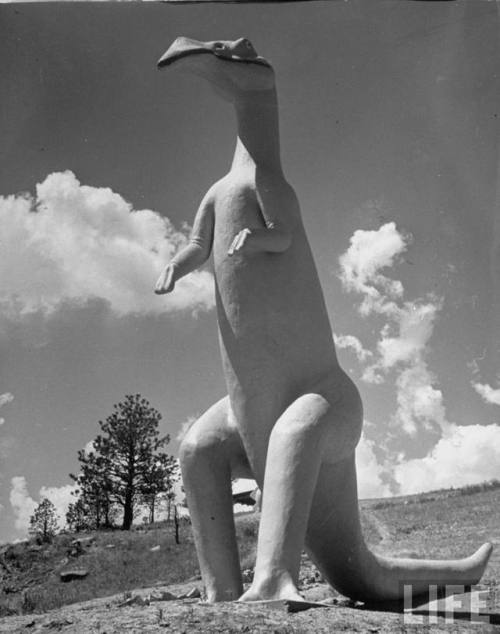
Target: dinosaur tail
(336, 544)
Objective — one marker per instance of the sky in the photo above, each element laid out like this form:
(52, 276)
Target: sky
(390, 135)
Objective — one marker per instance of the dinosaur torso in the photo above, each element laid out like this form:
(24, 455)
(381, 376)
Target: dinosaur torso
(276, 340)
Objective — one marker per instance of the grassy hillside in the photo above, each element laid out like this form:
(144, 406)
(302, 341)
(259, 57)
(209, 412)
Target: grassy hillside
(440, 524)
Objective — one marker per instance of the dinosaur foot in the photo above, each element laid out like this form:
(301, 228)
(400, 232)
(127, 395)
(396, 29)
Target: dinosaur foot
(272, 589)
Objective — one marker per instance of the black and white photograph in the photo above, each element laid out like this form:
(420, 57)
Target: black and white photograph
(250, 316)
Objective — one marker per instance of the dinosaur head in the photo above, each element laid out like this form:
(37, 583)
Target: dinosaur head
(232, 67)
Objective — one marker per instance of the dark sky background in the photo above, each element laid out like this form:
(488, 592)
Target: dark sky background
(389, 114)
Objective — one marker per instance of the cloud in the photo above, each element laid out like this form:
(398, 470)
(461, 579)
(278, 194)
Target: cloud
(369, 471)
(360, 265)
(61, 498)
(350, 342)
(74, 242)
(89, 447)
(404, 338)
(415, 322)
(23, 505)
(464, 455)
(488, 393)
(185, 426)
(5, 398)
(419, 402)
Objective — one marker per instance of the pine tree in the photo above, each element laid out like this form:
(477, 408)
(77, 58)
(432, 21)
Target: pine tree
(43, 522)
(95, 504)
(127, 464)
(159, 481)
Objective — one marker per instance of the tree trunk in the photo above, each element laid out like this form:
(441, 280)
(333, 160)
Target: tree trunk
(152, 509)
(128, 511)
(176, 520)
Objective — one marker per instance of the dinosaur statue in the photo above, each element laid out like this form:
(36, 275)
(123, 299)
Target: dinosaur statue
(292, 417)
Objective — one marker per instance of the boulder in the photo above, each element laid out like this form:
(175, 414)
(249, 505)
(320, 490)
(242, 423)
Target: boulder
(69, 575)
(194, 593)
(83, 542)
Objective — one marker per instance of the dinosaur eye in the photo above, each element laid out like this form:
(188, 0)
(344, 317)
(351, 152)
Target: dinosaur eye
(248, 44)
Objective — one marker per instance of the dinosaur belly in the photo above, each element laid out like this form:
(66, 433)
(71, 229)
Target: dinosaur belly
(275, 336)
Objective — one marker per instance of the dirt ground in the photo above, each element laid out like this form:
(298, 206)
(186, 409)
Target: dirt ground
(406, 527)
(109, 615)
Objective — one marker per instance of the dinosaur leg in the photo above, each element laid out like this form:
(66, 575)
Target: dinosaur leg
(335, 543)
(210, 454)
(295, 452)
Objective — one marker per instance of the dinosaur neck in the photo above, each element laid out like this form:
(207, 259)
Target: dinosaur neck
(258, 143)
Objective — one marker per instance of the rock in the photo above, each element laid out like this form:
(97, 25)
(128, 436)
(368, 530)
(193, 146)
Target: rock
(155, 549)
(83, 542)
(135, 600)
(58, 624)
(163, 596)
(194, 593)
(110, 546)
(35, 548)
(69, 575)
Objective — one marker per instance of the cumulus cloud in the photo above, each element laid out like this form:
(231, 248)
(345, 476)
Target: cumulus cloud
(350, 342)
(369, 471)
(488, 393)
(419, 402)
(404, 338)
(5, 398)
(370, 252)
(415, 323)
(464, 455)
(89, 447)
(61, 498)
(73, 242)
(23, 505)
(184, 428)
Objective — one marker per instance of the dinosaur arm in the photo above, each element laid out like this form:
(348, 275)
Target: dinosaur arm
(199, 247)
(195, 253)
(270, 239)
(279, 208)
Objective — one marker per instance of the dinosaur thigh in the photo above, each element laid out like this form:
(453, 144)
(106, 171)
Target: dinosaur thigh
(345, 419)
(332, 411)
(215, 433)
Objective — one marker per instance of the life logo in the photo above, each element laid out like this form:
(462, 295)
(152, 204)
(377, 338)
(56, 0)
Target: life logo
(452, 602)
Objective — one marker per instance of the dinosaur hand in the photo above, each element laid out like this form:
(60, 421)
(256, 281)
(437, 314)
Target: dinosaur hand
(166, 282)
(239, 241)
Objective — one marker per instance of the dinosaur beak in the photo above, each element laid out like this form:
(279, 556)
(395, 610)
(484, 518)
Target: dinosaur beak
(182, 47)
(229, 51)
